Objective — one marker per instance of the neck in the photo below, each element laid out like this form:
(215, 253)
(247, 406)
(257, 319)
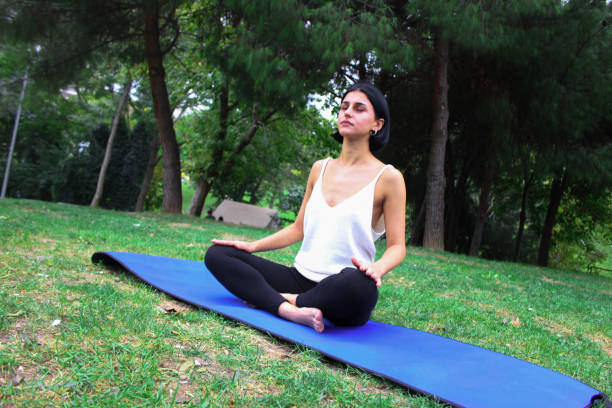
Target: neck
(355, 152)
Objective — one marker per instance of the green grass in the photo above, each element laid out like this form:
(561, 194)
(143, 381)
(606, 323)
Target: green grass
(117, 345)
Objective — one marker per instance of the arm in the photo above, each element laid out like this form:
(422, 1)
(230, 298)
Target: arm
(394, 210)
(288, 235)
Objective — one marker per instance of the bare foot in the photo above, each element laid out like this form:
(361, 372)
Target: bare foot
(308, 316)
(290, 297)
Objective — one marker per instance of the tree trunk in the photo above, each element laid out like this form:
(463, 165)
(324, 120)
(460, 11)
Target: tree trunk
(173, 198)
(247, 138)
(522, 217)
(556, 194)
(483, 201)
(148, 177)
(195, 208)
(433, 237)
(199, 197)
(253, 193)
(459, 192)
(203, 186)
(109, 145)
(277, 189)
(416, 235)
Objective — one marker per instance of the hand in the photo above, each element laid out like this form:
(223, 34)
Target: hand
(245, 246)
(369, 269)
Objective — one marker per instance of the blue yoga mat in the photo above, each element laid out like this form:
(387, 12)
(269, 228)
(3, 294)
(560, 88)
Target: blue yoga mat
(454, 372)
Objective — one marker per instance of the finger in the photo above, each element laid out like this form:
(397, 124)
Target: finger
(362, 266)
(372, 275)
(224, 242)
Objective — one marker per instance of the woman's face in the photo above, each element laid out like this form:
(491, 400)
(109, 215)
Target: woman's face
(357, 116)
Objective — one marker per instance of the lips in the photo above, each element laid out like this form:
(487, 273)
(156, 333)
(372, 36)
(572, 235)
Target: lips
(346, 123)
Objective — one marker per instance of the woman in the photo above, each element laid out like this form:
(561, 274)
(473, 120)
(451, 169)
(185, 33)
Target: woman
(349, 202)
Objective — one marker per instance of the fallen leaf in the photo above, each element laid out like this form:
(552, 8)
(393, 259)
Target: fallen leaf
(516, 322)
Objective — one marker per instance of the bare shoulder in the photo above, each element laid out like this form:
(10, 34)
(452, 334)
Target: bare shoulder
(318, 165)
(315, 170)
(392, 183)
(392, 177)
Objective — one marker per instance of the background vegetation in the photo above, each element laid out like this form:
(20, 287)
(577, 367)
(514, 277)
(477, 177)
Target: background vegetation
(502, 112)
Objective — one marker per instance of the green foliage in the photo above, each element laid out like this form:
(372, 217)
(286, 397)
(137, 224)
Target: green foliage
(66, 38)
(279, 156)
(530, 78)
(51, 164)
(47, 141)
(155, 197)
(522, 77)
(585, 223)
(127, 166)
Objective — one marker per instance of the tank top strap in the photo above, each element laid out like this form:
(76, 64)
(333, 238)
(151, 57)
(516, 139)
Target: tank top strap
(380, 172)
(320, 178)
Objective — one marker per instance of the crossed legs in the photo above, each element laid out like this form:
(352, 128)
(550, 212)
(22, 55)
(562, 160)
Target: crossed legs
(346, 298)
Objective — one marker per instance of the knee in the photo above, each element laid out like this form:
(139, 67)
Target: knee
(357, 289)
(359, 284)
(216, 254)
(358, 295)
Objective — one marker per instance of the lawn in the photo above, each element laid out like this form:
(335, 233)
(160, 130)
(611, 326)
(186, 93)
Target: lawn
(75, 334)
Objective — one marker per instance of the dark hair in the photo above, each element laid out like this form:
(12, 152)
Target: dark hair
(381, 110)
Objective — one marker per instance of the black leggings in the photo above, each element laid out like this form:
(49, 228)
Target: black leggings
(346, 299)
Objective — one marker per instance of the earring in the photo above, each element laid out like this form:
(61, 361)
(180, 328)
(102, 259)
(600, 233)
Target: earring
(373, 133)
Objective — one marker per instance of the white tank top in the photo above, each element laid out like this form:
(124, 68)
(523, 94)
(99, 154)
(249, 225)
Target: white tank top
(333, 235)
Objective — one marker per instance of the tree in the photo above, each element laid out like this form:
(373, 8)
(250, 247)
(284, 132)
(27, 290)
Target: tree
(570, 88)
(262, 69)
(173, 201)
(279, 158)
(109, 146)
(69, 35)
(436, 182)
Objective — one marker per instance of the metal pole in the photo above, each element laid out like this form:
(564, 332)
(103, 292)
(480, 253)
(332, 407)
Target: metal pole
(14, 137)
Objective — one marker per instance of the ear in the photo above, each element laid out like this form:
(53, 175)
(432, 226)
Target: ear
(379, 123)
